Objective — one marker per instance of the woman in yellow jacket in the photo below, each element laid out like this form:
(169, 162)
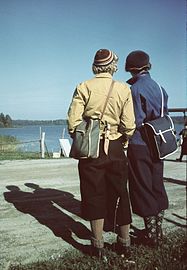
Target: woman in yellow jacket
(105, 178)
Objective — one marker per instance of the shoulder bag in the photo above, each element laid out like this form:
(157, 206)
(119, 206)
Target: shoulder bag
(160, 134)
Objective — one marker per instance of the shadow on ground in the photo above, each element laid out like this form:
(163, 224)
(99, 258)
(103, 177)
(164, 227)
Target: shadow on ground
(175, 181)
(41, 204)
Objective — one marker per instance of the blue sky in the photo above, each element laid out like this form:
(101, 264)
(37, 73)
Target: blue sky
(47, 48)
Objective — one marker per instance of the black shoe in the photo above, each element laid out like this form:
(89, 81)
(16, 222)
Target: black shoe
(150, 242)
(98, 253)
(122, 250)
(161, 240)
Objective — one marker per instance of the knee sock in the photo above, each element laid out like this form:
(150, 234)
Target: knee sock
(159, 221)
(124, 242)
(97, 243)
(150, 225)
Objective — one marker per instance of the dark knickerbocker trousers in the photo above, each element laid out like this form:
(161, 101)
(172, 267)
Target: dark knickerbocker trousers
(102, 181)
(146, 187)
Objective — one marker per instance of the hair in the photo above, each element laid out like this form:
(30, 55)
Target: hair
(111, 68)
(145, 69)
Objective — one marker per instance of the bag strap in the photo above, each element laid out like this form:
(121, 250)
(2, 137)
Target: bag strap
(162, 108)
(107, 98)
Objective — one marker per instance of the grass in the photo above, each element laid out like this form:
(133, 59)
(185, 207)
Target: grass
(9, 149)
(171, 256)
(19, 155)
(8, 143)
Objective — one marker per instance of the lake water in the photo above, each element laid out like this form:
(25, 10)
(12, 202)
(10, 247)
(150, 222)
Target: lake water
(31, 135)
(52, 135)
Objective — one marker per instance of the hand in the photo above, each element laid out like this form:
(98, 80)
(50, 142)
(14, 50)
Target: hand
(125, 144)
(72, 135)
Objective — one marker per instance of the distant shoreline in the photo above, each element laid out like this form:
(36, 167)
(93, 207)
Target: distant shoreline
(22, 123)
(17, 123)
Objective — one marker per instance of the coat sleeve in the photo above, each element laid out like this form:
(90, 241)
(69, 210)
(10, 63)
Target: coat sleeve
(127, 121)
(76, 108)
(139, 112)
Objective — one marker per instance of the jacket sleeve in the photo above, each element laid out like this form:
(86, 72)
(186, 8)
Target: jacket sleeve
(139, 104)
(127, 122)
(76, 108)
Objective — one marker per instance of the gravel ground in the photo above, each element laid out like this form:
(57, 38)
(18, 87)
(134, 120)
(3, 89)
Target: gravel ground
(40, 208)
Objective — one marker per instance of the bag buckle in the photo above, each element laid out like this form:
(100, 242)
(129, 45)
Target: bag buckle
(162, 136)
(106, 137)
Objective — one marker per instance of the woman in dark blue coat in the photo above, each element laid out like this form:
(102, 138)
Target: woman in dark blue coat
(147, 192)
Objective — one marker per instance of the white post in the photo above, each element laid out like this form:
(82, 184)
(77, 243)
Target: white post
(40, 130)
(40, 133)
(43, 144)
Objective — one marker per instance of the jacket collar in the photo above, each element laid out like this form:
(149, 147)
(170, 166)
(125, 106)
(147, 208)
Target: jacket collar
(104, 75)
(134, 79)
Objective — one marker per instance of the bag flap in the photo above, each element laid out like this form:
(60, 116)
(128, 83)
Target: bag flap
(162, 124)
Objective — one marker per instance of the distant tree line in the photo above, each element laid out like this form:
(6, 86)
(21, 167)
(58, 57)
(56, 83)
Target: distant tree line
(176, 119)
(38, 122)
(5, 121)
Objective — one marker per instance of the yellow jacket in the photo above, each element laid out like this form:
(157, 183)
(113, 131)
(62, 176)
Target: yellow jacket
(89, 98)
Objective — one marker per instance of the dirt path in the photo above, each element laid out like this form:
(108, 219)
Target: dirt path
(40, 204)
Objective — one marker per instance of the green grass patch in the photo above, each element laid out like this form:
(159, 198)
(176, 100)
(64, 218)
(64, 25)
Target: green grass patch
(19, 155)
(8, 143)
(10, 149)
(171, 256)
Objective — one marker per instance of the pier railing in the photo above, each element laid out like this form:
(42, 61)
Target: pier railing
(182, 110)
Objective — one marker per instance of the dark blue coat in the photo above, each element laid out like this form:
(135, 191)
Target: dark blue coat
(147, 101)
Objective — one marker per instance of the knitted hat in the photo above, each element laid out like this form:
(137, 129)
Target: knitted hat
(137, 60)
(103, 57)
